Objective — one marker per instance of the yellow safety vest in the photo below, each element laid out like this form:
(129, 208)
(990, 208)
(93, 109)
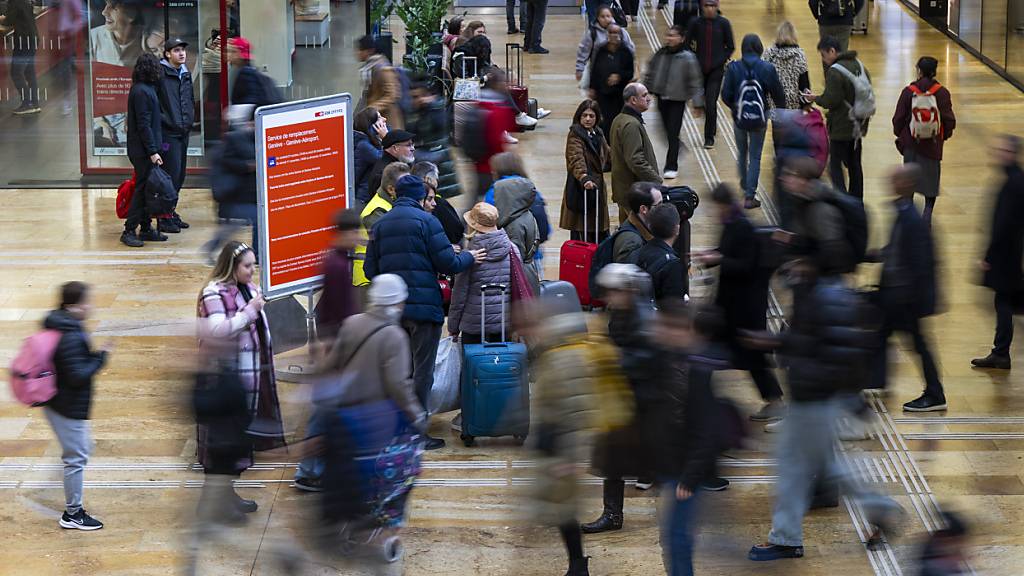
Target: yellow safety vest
(358, 275)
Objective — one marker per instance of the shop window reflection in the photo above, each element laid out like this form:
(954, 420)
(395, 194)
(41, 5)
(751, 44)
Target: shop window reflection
(993, 41)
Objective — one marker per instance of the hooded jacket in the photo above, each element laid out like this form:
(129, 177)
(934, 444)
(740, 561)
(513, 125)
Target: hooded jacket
(177, 101)
(675, 75)
(594, 37)
(366, 156)
(76, 365)
(790, 64)
(839, 96)
(513, 197)
(411, 243)
(711, 39)
(464, 313)
(763, 72)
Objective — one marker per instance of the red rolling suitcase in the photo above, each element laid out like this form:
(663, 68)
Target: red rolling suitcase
(577, 256)
(516, 86)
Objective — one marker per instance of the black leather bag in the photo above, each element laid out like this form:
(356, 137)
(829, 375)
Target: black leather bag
(161, 197)
(575, 194)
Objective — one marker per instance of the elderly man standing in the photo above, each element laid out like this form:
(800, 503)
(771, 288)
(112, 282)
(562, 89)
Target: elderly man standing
(398, 147)
(633, 158)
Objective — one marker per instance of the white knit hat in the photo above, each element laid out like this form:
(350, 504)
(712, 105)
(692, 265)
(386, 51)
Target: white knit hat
(387, 290)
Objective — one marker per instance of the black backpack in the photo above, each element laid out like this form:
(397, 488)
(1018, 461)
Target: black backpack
(855, 219)
(683, 198)
(618, 14)
(834, 8)
(604, 255)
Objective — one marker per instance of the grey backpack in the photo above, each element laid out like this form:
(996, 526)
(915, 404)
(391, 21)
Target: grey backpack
(863, 107)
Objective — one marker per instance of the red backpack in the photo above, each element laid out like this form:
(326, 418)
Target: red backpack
(125, 192)
(33, 375)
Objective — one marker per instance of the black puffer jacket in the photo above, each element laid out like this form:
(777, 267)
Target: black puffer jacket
(76, 365)
(177, 102)
(827, 345)
(850, 10)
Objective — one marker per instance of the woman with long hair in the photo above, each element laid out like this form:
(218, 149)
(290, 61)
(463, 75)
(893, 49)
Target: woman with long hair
(790, 63)
(145, 142)
(235, 349)
(587, 158)
(369, 129)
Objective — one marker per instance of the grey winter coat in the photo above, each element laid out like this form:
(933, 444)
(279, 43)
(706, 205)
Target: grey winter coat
(675, 76)
(464, 313)
(593, 38)
(513, 198)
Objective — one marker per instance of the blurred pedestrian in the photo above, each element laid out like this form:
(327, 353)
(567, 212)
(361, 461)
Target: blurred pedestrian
(76, 363)
(249, 85)
(234, 336)
(587, 158)
(381, 86)
(945, 551)
(922, 123)
(742, 295)
(907, 289)
(674, 76)
(145, 143)
(710, 37)
(818, 222)
(1001, 266)
(20, 16)
(409, 242)
(498, 119)
(612, 68)
(233, 178)
(633, 158)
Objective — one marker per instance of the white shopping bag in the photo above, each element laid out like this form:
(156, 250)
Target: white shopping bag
(444, 396)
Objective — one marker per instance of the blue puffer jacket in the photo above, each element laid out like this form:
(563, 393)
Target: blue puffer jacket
(411, 243)
(366, 155)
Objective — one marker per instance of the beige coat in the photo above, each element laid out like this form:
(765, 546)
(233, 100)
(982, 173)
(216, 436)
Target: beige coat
(383, 89)
(633, 158)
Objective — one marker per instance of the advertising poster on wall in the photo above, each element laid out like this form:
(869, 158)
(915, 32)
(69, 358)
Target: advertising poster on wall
(119, 32)
(304, 159)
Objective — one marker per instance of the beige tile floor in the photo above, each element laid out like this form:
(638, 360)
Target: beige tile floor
(469, 515)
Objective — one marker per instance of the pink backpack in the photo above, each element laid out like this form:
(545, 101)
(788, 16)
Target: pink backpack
(816, 133)
(33, 375)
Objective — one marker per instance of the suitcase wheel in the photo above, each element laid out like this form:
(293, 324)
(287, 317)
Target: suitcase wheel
(391, 550)
(520, 439)
(467, 440)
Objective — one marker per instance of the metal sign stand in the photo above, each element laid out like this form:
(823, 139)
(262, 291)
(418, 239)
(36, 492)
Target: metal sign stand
(303, 372)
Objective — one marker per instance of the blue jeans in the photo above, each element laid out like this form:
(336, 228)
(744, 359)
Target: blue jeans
(313, 467)
(750, 143)
(677, 530)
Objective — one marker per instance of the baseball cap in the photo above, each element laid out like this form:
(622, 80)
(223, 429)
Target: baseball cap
(174, 43)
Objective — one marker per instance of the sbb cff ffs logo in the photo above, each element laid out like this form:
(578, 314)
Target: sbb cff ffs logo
(323, 113)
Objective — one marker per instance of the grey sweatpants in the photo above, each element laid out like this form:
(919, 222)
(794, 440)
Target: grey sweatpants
(76, 443)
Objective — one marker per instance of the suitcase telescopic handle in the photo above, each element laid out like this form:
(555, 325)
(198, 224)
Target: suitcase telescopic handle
(484, 288)
(476, 71)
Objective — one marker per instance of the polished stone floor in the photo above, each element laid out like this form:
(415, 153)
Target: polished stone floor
(468, 516)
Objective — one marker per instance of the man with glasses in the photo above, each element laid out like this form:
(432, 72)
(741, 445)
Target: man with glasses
(398, 147)
(633, 158)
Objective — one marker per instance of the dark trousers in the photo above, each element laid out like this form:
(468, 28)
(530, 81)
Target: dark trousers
(1004, 324)
(682, 17)
(904, 322)
(846, 153)
(712, 88)
(536, 15)
(470, 338)
(23, 74)
(592, 6)
(423, 340)
(138, 217)
(510, 13)
(783, 202)
(672, 112)
(174, 154)
(765, 380)
(610, 105)
(483, 184)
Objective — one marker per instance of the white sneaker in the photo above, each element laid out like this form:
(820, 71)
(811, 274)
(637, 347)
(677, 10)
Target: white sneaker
(543, 113)
(774, 427)
(509, 139)
(525, 121)
(670, 174)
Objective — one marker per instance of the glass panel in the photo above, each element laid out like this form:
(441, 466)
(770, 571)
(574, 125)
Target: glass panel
(970, 23)
(993, 41)
(1015, 39)
(954, 16)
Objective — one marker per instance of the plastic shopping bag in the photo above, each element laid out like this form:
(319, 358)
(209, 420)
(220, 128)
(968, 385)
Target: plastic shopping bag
(444, 396)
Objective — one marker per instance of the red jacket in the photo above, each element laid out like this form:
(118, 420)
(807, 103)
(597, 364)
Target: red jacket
(901, 121)
(500, 119)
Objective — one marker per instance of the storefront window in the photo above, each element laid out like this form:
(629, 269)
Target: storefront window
(993, 39)
(1015, 39)
(970, 22)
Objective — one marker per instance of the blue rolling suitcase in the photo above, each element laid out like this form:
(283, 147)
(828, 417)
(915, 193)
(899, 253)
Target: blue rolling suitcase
(495, 384)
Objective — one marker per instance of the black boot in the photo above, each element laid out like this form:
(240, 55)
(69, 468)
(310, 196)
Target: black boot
(243, 505)
(578, 567)
(611, 518)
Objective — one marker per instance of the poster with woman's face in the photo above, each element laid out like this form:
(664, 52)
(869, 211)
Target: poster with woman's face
(119, 32)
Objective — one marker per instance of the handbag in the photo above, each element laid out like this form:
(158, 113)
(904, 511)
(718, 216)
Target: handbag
(521, 289)
(575, 194)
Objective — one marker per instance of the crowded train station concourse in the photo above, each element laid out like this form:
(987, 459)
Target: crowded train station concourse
(466, 287)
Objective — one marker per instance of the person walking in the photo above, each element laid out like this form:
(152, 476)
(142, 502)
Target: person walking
(587, 157)
(845, 134)
(595, 36)
(674, 76)
(22, 19)
(145, 142)
(659, 260)
(835, 19)
(749, 84)
(234, 335)
(510, 16)
(922, 123)
(411, 243)
(76, 364)
(398, 146)
(633, 158)
(907, 289)
(710, 37)
(368, 131)
(684, 12)
(1001, 266)
(817, 220)
(611, 70)
(381, 86)
(249, 85)
(177, 104)
(742, 296)
(536, 15)
(790, 62)
(497, 120)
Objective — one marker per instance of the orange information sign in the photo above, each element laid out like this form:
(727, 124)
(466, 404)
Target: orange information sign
(304, 156)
